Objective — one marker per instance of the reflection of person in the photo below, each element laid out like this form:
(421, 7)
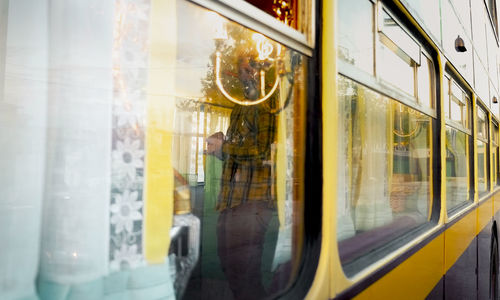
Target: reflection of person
(245, 201)
(214, 144)
(210, 263)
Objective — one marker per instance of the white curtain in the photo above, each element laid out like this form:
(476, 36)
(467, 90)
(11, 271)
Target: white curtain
(372, 140)
(365, 151)
(23, 98)
(75, 234)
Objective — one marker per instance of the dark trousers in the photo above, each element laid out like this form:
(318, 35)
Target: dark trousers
(240, 238)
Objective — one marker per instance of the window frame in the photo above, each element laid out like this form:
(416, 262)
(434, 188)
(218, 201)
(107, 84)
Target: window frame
(486, 140)
(450, 78)
(492, 16)
(391, 91)
(378, 84)
(495, 180)
(252, 17)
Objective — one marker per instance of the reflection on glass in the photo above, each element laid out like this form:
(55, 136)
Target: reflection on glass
(384, 189)
(494, 165)
(495, 155)
(482, 123)
(446, 93)
(240, 125)
(283, 10)
(425, 78)
(393, 69)
(456, 104)
(457, 111)
(482, 176)
(356, 38)
(457, 168)
(398, 36)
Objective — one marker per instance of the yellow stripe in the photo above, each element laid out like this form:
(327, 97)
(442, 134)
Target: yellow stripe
(458, 237)
(484, 213)
(160, 108)
(414, 278)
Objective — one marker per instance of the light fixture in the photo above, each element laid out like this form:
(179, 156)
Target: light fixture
(495, 100)
(460, 45)
(264, 49)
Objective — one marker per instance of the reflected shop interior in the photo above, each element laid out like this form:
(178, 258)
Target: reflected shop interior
(152, 150)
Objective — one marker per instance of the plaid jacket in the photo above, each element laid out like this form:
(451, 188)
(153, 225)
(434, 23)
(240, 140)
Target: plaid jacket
(247, 173)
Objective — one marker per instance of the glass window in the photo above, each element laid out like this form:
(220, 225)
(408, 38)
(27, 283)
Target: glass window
(356, 38)
(154, 148)
(457, 168)
(397, 56)
(482, 124)
(384, 188)
(458, 139)
(495, 155)
(425, 82)
(492, 9)
(447, 97)
(392, 69)
(482, 170)
(482, 150)
(456, 104)
(287, 11)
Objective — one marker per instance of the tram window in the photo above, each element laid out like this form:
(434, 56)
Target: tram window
(293, 13)
(446, 93)
(492, 10)
(482, 124)
(494, 154)
(425, 81)
(457, 168)
(252, 158)
(456, 104)
(402, 63)
(458, 138)
(481, 167)
(398, 55)
(355, 37)
(482, 150)
(395, 70)
(385, 188)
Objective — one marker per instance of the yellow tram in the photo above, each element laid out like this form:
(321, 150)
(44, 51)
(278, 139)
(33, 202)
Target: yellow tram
(437, 169)
(249, 149)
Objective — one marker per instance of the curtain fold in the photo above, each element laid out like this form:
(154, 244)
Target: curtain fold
(23, 117)
(74, 242)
